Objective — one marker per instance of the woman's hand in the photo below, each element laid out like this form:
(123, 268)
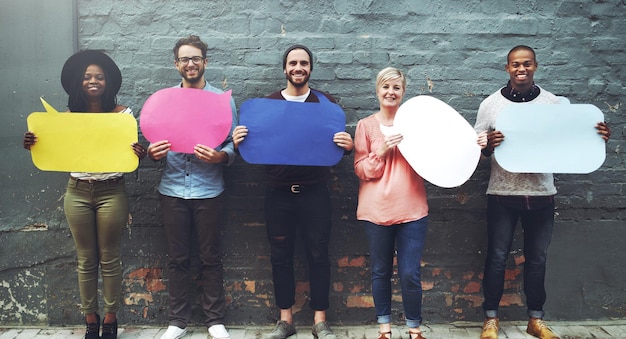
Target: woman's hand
(139, 150)
(390, 142)
(29, 140)
(482, 139)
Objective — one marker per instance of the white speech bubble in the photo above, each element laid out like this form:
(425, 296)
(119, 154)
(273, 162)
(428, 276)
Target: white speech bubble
(438, 142)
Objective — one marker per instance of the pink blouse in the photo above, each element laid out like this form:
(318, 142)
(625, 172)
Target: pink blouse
(390, 191)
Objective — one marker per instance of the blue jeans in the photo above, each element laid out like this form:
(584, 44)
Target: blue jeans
(537, 217)
(409, 239)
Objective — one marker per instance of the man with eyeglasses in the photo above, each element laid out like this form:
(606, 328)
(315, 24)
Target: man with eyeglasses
(192, 207)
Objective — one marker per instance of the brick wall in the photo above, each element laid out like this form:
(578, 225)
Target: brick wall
(453, 50)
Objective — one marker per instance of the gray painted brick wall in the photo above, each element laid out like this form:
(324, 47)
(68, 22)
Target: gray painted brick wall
(453, 50)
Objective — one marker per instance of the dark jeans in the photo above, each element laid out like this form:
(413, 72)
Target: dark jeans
(409, 239)
(309, 211)
(185, 220)
(537, 216)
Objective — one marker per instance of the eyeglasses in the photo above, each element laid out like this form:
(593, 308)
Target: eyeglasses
(196, 60)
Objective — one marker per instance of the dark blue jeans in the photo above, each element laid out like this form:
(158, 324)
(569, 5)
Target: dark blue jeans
(409, 239)
(537, 217)
(186, 221)
(308, 209)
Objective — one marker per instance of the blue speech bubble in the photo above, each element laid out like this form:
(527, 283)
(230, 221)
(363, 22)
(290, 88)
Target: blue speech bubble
(284, 132)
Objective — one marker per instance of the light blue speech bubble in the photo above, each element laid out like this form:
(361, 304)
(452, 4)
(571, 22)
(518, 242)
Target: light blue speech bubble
(550, 138)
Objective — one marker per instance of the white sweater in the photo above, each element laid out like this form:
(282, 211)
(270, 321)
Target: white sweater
(502, 182)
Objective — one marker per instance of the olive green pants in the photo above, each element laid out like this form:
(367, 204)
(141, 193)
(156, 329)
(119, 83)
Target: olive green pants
(97, 213)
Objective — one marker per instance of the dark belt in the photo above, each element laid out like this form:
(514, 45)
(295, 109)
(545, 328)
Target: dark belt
(94, 181)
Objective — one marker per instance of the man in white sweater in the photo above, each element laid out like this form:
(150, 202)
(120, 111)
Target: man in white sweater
(515, 196)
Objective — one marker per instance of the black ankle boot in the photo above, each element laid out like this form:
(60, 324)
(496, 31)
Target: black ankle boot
(93, 329)
(109, 331)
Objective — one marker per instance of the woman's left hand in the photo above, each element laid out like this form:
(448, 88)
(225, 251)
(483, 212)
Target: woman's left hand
(482, 139)
(139, 150)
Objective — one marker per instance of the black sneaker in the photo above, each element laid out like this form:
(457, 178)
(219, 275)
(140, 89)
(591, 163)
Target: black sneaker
(109, 331)
(93, 329)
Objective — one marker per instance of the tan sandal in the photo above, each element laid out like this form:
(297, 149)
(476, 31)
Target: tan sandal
(383, 335)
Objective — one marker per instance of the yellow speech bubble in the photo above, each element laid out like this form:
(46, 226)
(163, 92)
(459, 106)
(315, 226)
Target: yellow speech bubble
(83, 142)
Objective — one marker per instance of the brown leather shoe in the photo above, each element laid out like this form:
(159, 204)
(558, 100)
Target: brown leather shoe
(384, 335)
(538, 328)
(490, 329)
(416, 335)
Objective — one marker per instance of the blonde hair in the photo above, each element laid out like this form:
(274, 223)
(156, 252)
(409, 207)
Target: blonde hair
(390, 73)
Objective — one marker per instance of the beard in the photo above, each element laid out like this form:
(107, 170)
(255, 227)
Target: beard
(195, 79)
(298, 84)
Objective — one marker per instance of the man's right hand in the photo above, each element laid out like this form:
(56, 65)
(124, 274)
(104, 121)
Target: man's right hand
(158, 150)
(494, 139)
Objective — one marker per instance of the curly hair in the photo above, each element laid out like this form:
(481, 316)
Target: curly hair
(192, 40)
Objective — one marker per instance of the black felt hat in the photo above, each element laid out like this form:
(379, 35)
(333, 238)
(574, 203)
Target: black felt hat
(78, 62)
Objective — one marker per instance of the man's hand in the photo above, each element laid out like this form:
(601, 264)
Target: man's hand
(343, 140)
(209, 155)
(239, 134)
(604, 131)
(494, 139)
(158, 150)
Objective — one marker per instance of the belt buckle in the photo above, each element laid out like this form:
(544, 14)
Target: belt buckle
(295, 188)
(86, 181)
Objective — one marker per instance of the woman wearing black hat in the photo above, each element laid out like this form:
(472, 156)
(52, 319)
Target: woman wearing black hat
(96, 205)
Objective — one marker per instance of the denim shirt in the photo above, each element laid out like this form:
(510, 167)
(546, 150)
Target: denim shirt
(187, 177)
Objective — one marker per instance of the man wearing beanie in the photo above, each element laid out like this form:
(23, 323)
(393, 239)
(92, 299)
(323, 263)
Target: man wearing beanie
(297, 198)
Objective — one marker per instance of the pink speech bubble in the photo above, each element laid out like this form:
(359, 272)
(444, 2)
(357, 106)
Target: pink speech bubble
(187, 117)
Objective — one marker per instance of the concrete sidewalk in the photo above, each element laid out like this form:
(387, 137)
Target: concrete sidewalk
(457, 330)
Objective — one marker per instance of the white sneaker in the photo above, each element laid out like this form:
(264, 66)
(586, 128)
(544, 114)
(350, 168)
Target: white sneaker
(219, 332)
(174, 332)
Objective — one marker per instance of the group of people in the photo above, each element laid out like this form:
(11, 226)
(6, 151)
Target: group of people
(392, 203)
